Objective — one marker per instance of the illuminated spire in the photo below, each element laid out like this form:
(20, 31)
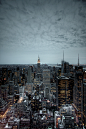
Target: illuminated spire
(78, 59)
(38, 59)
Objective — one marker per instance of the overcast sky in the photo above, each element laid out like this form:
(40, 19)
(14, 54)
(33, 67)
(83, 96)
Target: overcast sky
(29, 28)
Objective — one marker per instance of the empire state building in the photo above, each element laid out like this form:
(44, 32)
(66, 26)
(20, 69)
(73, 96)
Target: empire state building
(38, 64)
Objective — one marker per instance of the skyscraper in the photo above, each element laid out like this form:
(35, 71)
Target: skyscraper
(38, 65)
(11, 88)
(84, 104)
(29, 75)
(63, 90)
(78, 91)
(46, 82)
(46, 77)
(29, 87)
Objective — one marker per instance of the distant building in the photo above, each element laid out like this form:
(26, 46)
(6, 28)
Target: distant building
(38, 65)
(21, 107)
(16, 89)
(3, 106)
(65, 68)
(35, 103)
(11, 87)
(53, 88)
(4, 91)
(46, 92)
(46, 82)
(29, 75)
(29, 87)
(21, 91)
(36, 82)
(15, 79)
(10, 100)
(46, 77)
(4, 76)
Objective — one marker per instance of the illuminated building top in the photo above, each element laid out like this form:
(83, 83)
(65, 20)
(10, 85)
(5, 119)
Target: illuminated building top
(38, 60)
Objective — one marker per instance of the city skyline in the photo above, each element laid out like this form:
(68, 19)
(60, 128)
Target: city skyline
(46, 28)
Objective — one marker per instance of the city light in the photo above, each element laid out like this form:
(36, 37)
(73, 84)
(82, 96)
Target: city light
(2, 116)
(59, 118)
(20, 100)
(43, 100)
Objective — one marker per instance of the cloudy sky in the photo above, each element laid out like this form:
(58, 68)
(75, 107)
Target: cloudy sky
(29, 28)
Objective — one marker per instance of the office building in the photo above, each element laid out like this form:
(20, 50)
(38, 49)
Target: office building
(53, 88)
(35, 103)
(15, 79)
(78, 91)
(4, 76)
(4, 91)
(10, 100)
(29, 75)
(46, 77)
(46, 92)
(3, 106)
(25, 123)
(21, 107)
(36, 82)
(46, 82)
(29, 87)
(38, 65)
(63, 90)
(71, 85)
(11, 88)
(84, 104)
(16, 89)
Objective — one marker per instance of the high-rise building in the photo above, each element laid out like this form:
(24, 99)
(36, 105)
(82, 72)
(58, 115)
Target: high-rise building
(38, 65)
(11, 87)
(53, 88)
(84, 104)
(16, 89)
(10, 100)
(46, 92)
(35, 103)
(21, 107)
(4, 76)
(3, 106)
(46, 77)
(84, 76)
(64, 88)
(53, 91)
(46, 82)
(29, 75)
(71, 85)
(65, 68)
(29, 87)
(78, 91)
(4, 91)
(36, 82)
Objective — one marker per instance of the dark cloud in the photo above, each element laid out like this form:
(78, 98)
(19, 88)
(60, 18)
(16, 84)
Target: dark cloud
(42, 26)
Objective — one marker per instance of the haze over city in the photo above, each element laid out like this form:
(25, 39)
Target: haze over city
(42, 27)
